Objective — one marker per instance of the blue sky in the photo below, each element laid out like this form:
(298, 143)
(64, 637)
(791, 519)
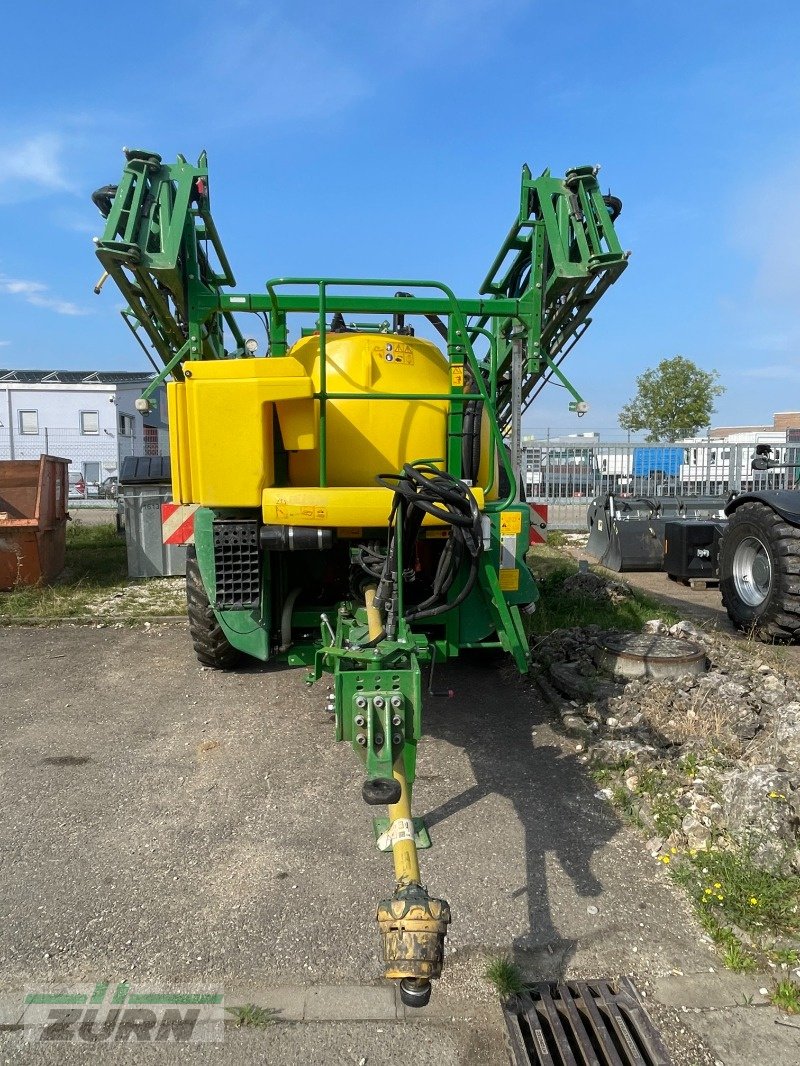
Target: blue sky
(386, 140)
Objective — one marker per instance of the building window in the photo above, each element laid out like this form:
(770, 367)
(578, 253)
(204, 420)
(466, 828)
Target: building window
(90, 422)
(29, 422)
(150, 440)
(126, 425)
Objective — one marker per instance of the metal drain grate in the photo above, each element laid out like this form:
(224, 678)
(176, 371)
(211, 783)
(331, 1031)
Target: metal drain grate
(583, 1023)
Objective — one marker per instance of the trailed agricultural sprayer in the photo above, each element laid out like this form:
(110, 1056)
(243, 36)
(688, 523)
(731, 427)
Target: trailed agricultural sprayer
(358, 509)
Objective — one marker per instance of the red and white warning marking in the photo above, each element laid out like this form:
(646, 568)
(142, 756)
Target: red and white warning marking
(538, 533)
(177, 522)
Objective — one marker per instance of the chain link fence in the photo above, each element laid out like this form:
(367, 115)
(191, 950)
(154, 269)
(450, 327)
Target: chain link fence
(95, 458)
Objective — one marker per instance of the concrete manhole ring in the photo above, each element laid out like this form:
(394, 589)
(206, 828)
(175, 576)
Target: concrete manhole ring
(649, 655)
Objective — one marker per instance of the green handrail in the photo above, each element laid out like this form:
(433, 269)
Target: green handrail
(464, 343)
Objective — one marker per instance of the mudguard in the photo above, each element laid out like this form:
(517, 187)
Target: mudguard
(785, 502)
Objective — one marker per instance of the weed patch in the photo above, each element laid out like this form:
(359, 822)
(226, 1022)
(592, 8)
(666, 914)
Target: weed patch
(731, 890)
(557, 609)
(502, 972)
(94, 582)
(253, 1017)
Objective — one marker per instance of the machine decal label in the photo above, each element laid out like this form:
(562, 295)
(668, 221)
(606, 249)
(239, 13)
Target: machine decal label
(457, 376)
(286, 512)
(510, 522)
(400, 829)
(509, 580)
(395, 352)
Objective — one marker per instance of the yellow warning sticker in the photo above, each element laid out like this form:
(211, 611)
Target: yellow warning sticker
(457, 376)
(510, 523)
(509, 580)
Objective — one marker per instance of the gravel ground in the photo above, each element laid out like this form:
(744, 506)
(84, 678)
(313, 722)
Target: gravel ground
(165, 823)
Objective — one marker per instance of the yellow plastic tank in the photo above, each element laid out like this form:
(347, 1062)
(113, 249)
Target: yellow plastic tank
(224, 418)
(367, 437)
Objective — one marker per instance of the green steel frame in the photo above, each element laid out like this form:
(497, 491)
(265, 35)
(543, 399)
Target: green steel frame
(162, 249)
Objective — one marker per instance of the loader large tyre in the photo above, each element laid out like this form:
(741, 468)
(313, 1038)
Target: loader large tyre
(210, 643)
(759, 573)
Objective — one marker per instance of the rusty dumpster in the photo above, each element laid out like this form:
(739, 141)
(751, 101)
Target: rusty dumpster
(33, 520)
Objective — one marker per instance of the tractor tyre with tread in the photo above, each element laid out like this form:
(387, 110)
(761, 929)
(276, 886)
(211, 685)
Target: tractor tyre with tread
(210, 643)
(759, 573)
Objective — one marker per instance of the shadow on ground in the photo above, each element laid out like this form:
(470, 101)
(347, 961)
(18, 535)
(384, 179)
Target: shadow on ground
(551, 793)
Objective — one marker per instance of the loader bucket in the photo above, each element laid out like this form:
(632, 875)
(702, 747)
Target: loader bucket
(629, 534)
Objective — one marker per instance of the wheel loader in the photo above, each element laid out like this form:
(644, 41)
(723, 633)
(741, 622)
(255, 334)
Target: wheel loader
(759, 558)
(349, 483)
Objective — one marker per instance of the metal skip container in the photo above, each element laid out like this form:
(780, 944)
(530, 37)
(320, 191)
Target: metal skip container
(145, 483)
(33, 520)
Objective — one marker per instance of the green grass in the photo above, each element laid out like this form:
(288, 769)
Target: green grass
(737, 958)
(249, 1015)
(502, 972)
(786, 996)
(95, 569)
(785, 956)
(559, 610)
(728, 889)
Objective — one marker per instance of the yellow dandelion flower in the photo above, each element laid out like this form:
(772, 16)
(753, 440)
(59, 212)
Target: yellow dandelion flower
(753, 901)
(720, 898)
(664, 859)
(707, 891)
(717, 884)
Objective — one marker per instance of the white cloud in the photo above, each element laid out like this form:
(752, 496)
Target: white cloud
(32, 166)
(87, 221)
(774, 372)
(4, 344)
(37, 294)
(766, 228)
(266, 68)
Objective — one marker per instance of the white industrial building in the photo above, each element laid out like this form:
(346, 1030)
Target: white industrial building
(88, 417)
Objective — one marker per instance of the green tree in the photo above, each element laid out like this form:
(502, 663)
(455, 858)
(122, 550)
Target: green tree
(674, 400)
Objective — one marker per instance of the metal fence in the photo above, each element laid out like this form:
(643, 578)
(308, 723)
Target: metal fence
(568, 476)
(95, 458)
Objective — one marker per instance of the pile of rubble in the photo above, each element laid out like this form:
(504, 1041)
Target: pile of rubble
(710, 759)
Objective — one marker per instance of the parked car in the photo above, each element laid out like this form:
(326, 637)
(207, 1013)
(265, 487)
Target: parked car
(77, 486)
(109, 489)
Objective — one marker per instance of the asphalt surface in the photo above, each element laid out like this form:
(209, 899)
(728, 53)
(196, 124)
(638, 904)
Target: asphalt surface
(171, 825)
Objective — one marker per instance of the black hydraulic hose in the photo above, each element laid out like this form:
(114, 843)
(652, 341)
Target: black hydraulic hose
(424, 489)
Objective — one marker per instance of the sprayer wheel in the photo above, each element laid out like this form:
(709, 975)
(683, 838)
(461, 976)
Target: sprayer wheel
(210, 643)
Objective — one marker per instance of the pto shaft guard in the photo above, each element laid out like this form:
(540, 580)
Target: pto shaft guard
(413, 927)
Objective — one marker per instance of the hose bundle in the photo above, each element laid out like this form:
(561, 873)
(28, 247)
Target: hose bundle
(424, 489)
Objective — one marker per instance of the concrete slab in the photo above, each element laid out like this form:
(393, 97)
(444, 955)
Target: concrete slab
(704, 990)
(350, 1003)
(11, 1006)
(288, 1003)
(744, 1036)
